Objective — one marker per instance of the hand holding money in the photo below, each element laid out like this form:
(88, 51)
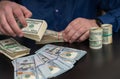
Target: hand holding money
(35, 29)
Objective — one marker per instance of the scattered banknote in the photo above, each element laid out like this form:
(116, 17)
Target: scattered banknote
(47, 62)
(12, 49)
(24, 68)
(63, 52)
(51, 36)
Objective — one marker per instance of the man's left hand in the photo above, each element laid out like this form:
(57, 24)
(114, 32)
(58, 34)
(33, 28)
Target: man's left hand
(78, 30)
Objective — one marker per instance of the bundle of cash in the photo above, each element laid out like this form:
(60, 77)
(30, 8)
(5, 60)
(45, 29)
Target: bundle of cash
(35, 28)
(49, 61)
(51, 36)
(95, 38)
(107, 33)
(12, 49)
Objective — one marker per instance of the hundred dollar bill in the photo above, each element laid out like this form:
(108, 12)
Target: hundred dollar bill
(63, 52)
(12, 49)
(41, 65)
(95, 38)
(24, 68)
(39, 74)
(95, 33)
(51, 37)
(54, 69)
(107, 33)
(35, 29)
(64, 64)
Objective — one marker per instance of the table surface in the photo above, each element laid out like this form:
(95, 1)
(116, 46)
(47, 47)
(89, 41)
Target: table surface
(103, 63)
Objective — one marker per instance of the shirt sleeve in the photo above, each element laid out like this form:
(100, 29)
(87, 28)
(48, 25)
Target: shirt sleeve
(112, 15)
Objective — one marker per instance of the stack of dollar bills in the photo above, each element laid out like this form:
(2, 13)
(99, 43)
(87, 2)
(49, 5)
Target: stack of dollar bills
(49, 61)
(35, 28)
(51, 36)
(12, 49)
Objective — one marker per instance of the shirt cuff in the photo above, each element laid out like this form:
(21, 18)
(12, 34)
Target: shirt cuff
(109, 19)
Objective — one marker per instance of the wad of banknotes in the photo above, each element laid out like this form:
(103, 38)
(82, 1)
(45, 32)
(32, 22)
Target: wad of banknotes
(35, 28)
(12, 49)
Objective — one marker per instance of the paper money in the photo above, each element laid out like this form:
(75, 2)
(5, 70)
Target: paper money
(49, 61)
(41, 65)
(107, 33)
(24, 68)
(55, 66)
(35, 29)
(12, 49)
(51, 37)
(95, 38)
(65, 55)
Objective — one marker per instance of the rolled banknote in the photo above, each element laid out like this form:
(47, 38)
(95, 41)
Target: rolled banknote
(107, 33)
(95, 38)
(51, 36)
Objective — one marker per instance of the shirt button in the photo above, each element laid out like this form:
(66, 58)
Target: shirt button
(57, 10)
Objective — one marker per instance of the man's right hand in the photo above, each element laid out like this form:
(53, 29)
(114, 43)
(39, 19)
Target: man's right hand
(8, 12)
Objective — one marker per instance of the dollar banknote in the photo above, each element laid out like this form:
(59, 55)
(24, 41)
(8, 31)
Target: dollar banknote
(24, 68)
(47, 62)
(12, 49)
(35, 29)
(64, 52)
(48, 67)
(107, 33)
(51, 36)
(95, 38)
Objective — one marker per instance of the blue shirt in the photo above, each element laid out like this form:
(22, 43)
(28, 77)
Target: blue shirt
(59, 13)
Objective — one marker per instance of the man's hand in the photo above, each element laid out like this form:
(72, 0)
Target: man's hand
(78, 30)
(8, 12)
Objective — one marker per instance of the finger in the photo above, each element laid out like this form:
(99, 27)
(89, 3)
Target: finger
(74, 37)
(2, 31)
(73, 23)
(27, 13)
(12, 23)
(6, 27)
(73, 34)
(19, 14)
(84, 37)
